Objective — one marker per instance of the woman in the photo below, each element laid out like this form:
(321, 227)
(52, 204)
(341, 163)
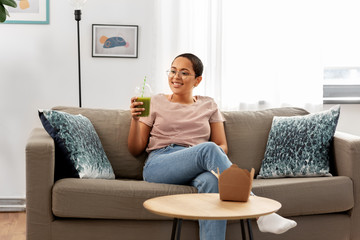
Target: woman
(185, 138)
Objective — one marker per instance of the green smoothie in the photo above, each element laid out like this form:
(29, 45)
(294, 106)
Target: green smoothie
(146, 105)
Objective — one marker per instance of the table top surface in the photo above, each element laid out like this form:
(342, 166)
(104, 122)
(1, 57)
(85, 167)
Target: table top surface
(209, 206)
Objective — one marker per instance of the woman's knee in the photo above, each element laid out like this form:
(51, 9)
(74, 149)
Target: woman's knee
(209, 146)
(210, 149)
(213, 156)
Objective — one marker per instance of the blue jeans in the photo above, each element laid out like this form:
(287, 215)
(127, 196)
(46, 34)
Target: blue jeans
(176, 164)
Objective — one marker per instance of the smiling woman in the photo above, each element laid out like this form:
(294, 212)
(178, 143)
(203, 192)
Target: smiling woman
(185, 74)
(185, 138)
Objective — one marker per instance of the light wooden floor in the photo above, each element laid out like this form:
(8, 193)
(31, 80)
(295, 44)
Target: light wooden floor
(12, 226)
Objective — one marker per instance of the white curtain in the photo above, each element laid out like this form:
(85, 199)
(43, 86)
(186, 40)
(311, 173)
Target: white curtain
(271, 54)
(257, 54)
(189, 26)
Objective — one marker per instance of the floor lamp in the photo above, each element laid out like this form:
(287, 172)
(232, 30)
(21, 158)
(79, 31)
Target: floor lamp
(78, 4)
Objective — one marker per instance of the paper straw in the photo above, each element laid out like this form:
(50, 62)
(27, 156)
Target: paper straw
(143, 89)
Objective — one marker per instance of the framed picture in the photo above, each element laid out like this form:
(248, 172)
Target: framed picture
(115, 41)
(29, 11)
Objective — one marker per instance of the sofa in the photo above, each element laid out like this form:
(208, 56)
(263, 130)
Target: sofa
(93, 209)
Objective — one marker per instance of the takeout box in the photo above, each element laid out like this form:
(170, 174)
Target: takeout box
(235, 184)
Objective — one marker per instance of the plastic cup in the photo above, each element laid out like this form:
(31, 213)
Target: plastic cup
(144, 95)
(146, 104)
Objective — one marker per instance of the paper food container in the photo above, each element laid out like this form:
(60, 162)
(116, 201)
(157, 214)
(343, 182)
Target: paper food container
(235, 184)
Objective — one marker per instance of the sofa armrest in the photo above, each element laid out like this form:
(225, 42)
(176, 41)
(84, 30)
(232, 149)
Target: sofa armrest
(40, 164)
(347, 155)
(347, 163)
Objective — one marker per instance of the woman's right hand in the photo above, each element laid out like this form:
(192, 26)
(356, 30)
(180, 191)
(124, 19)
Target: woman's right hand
(134, 109)
(139, 132)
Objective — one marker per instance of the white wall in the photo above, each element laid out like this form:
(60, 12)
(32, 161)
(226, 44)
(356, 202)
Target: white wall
(349, 120)
(38, 69)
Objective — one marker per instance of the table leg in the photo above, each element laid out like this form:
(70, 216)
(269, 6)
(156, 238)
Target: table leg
(176, 229)
(249, 229)
(179, 229)
(173, 231)
(243, 234)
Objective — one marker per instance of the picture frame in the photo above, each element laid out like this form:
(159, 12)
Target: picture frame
(117, 41)
(29, 12)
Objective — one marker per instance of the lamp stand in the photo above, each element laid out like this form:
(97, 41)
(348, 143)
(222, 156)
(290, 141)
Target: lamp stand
(78, 18)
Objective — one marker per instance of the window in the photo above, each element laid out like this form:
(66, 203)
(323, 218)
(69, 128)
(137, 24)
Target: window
(341, 85)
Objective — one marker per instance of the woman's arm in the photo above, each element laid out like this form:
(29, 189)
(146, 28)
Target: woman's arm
(139, 132)
(218, 135)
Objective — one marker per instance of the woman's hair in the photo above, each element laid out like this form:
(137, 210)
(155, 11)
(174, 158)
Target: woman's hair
(196, 63)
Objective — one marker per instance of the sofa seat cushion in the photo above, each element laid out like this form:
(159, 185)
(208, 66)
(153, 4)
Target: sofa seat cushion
(123, 199)
(108, 199)
(306, 196)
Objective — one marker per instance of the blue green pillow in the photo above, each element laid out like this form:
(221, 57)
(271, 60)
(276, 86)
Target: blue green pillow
(299, 146)
(80, 146)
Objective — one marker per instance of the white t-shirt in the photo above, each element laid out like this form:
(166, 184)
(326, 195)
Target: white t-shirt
(181, 124)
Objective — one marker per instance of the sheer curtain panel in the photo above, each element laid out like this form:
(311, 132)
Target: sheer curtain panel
(257, 54)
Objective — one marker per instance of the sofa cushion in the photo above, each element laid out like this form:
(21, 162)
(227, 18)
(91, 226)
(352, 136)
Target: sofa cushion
(112, 126)
(108, 199)
(307, 196)
(123, 199)
(247, 133)
(299, 146)
(78, 141)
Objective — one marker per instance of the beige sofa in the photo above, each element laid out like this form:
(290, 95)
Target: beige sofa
(94, 209)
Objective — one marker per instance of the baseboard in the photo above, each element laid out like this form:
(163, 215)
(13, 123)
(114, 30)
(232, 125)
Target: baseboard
(12, 204)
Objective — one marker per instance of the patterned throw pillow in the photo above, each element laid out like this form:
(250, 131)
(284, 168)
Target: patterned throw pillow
(79, 143)
(299, 146)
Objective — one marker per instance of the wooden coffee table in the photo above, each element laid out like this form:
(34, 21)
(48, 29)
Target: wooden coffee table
(208, 206)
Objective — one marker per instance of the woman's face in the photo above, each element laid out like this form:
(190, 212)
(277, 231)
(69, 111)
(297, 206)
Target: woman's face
(182, 76)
